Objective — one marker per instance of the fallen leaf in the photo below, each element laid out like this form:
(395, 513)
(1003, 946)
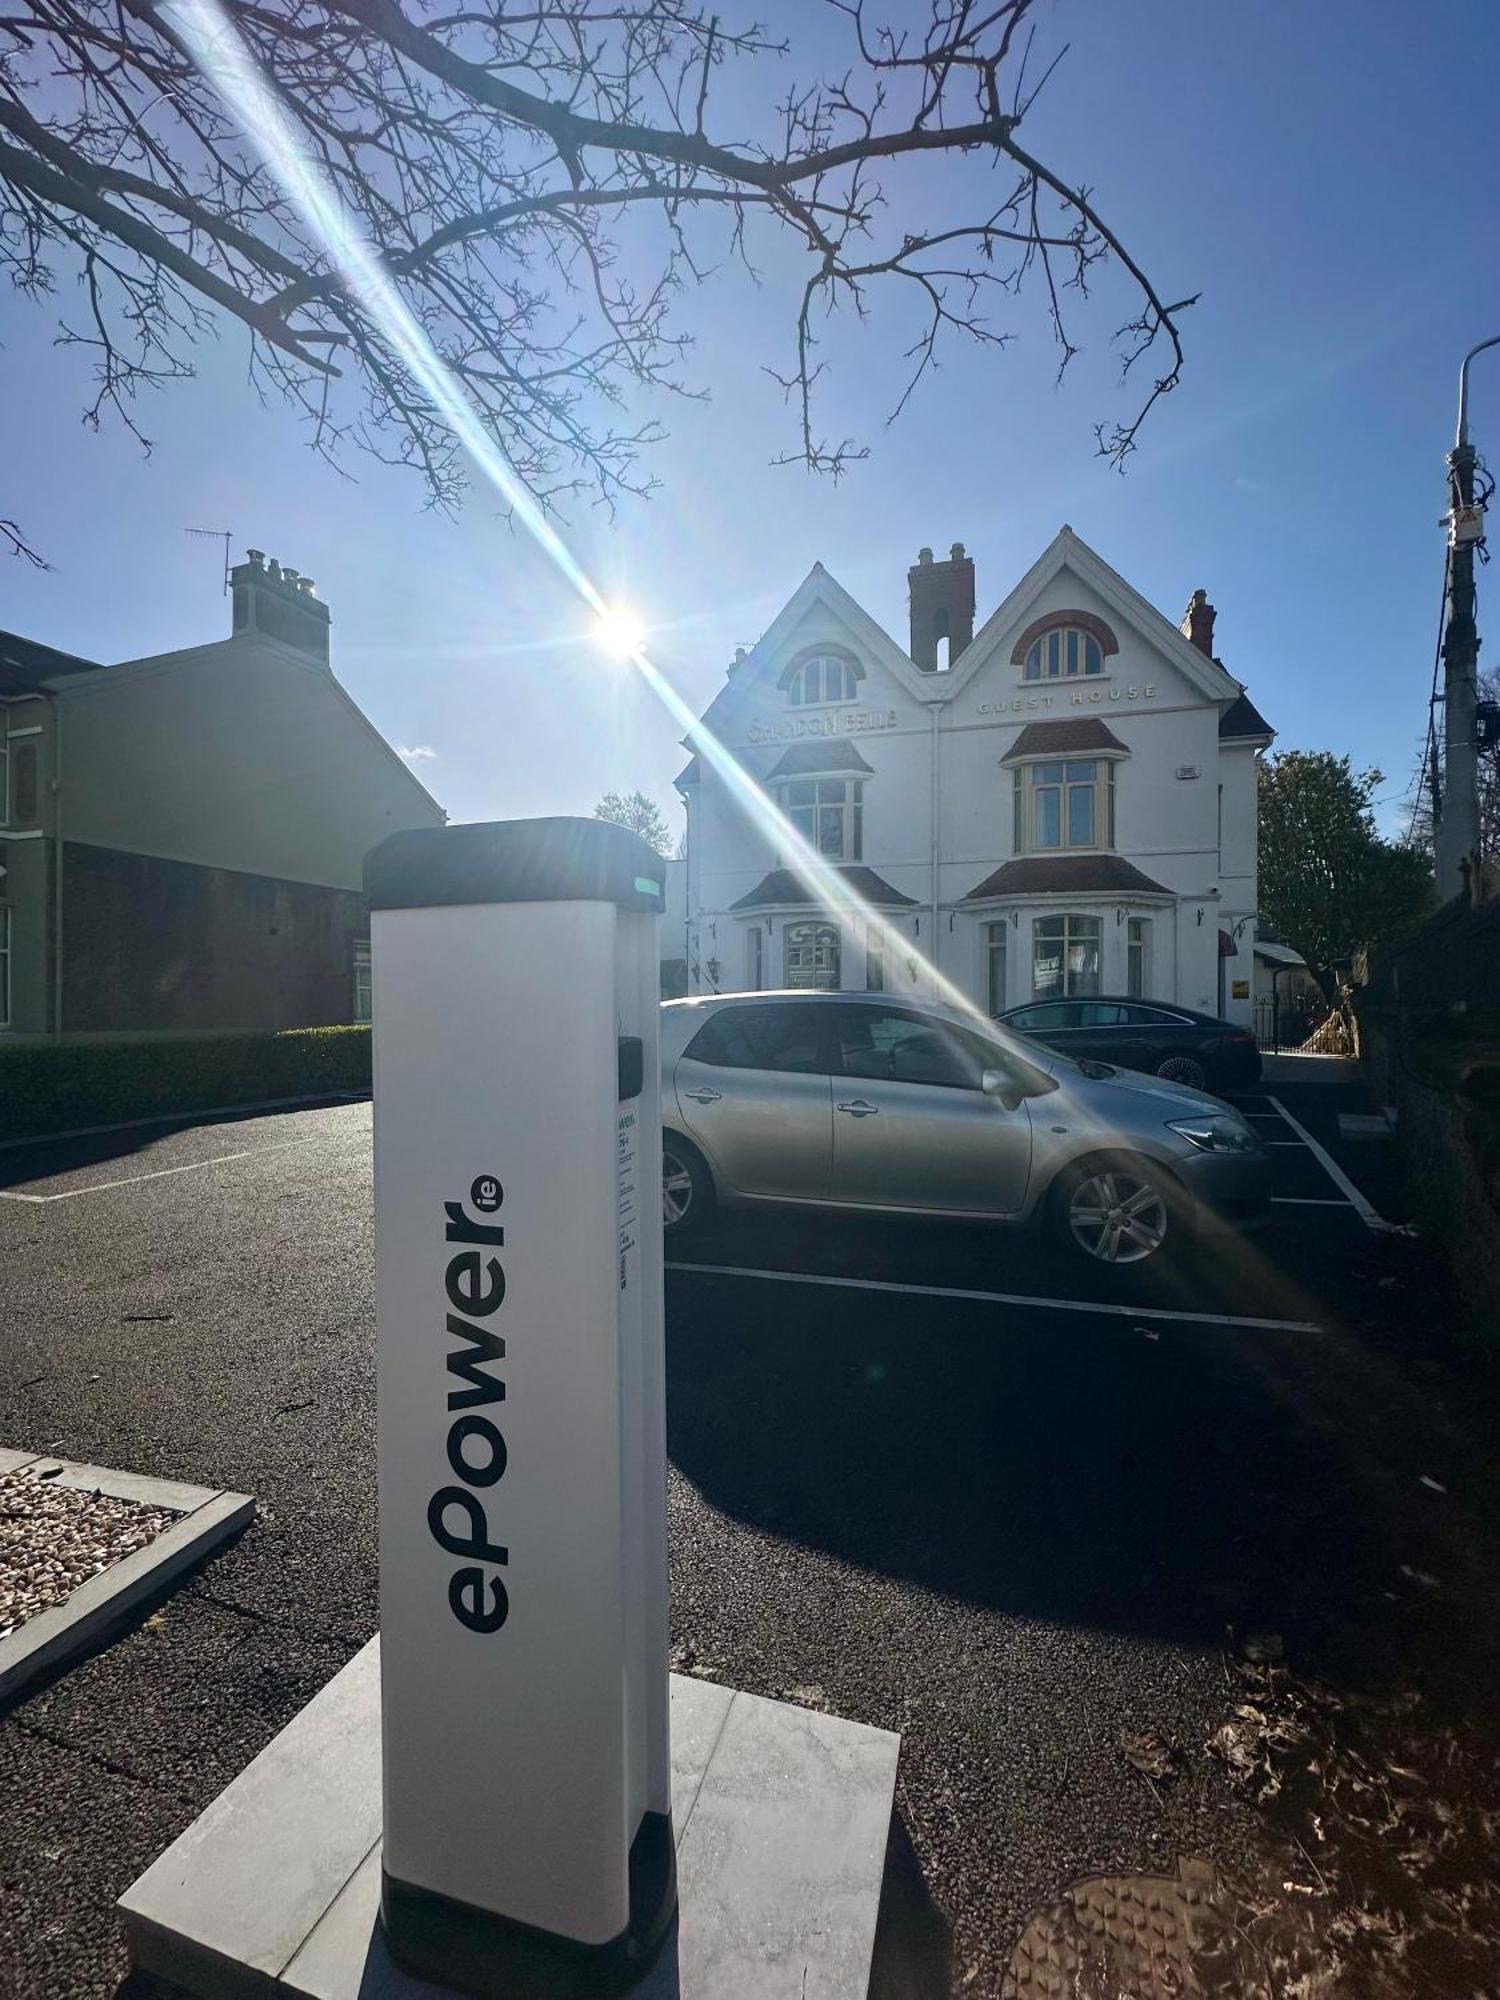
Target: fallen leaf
(1150, 1753)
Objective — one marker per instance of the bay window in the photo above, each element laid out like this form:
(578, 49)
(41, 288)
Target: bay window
(828, 813)
(1063, 804)
(1065, 956)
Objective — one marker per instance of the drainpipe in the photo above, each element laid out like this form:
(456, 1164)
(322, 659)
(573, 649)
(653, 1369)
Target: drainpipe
(57, 871)
(935, 709)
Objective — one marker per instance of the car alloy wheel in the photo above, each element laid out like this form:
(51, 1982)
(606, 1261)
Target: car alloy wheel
(1118, 1216)
(1183, 1069)
(677, 1192)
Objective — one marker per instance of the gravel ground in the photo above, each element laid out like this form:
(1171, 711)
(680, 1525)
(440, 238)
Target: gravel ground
(55, 1537)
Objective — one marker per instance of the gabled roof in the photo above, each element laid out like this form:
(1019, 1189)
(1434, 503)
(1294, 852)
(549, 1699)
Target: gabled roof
(1066, 875)
(1062, 737)
(750, 680)
(782, 885)
(26, 666)
(1067, 552)
(1243, 720)
(818, 756)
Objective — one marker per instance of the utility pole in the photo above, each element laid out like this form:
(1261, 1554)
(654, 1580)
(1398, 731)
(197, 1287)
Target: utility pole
(1457, 825)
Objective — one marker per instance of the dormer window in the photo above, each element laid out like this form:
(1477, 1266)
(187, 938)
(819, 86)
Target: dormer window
(1063, 654)
(821, 678)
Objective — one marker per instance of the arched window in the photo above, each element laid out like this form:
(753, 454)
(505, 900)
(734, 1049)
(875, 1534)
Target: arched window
(1062, 654)
(812, 957)
(824, 677)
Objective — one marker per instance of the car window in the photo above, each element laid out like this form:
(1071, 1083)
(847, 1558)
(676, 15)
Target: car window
(907, 1048)
(1100, 1014)
(1148, 1017)
(779, 1038)
(1039, 1020)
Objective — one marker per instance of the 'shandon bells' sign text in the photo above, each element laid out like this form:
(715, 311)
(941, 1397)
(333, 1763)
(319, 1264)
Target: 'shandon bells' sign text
(475, 1288)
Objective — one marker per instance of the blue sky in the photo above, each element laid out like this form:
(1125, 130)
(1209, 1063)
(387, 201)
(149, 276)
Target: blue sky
(1306, 168)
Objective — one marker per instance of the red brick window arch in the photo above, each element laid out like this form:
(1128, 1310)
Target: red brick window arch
(1064, 645)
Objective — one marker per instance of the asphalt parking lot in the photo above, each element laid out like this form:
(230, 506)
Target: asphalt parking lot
(932, 1478)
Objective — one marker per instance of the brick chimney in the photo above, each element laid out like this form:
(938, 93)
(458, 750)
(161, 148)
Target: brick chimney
(1198, 623)
(279, 604)
(942, 606)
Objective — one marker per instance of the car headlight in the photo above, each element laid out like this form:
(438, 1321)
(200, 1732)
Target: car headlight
(1224, 1134)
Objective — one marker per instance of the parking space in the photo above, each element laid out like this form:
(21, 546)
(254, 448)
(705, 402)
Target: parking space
(935, 1477)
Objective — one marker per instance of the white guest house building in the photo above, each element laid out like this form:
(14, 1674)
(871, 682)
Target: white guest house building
(1061, 803)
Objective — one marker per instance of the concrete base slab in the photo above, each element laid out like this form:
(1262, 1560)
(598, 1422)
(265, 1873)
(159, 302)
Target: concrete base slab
(208, 1516)
(781, 1817)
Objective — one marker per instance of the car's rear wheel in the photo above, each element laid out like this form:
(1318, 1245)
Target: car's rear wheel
(687, 1188)
(1184, 1069)
(1117, 1212)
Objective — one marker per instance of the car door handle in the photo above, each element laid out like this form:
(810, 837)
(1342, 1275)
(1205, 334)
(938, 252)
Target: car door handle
(858, 1108)
(703, 1095)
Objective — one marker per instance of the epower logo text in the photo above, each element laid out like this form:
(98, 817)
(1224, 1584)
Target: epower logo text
(474, 1283)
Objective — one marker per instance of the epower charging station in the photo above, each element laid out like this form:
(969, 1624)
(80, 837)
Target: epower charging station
(522, 1454)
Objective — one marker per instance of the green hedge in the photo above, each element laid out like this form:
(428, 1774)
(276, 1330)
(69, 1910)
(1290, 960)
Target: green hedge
(54, 1087)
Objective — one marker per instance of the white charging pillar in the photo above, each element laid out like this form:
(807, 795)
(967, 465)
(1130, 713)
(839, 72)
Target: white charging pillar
(522, 1449)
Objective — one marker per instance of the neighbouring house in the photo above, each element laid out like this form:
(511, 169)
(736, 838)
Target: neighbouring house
(183, 836)
(1063, 802)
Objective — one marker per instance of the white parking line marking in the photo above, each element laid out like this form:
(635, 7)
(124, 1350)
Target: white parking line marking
(1368, 1214)
(997, 1298)
(161, 1174)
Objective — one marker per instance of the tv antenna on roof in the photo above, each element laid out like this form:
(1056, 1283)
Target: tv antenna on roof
(216, 535)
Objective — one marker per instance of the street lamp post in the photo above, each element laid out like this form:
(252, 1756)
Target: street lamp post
(1457, 807)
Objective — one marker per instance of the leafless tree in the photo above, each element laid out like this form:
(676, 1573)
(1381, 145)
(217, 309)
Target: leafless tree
(544, 180)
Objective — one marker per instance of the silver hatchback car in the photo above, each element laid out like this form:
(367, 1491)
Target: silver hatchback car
(860, 1101)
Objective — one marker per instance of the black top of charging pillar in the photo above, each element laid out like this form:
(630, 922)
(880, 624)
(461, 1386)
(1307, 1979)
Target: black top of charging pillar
(516, 861)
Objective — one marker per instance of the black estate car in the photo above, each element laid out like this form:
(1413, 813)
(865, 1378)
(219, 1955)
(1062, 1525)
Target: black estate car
(1170, 1041)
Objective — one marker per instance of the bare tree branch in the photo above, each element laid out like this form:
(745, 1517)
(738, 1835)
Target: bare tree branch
(546, 183)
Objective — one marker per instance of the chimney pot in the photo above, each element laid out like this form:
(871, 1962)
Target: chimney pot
(957, 552)
(279, 604)
(924, 555)
(1198, 623)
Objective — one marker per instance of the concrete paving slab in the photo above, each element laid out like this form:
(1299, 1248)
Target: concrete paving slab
(175, 1494)
(781, 1817)
(208, 1516)
(12, 1460)
(779, 1867)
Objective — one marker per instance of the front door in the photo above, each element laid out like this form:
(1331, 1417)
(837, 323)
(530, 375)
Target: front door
(753, 1089)
(912, 1127)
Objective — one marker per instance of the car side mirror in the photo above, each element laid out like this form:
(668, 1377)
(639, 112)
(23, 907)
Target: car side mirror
(995, 1083)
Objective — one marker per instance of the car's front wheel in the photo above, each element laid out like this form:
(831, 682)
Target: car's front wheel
(1184, 1069)
(687, 1189)
(1116, 1212)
